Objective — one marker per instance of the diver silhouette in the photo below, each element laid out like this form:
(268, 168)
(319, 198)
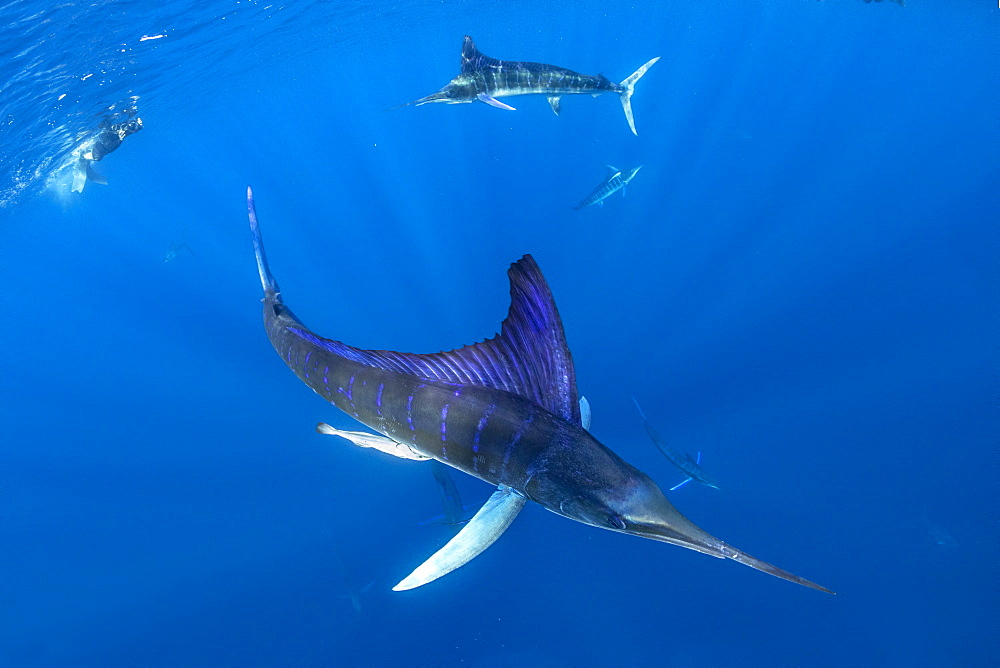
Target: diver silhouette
(111, 137)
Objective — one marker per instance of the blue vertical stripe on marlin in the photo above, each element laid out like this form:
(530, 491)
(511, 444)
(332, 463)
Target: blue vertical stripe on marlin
(504, 410)
(617, 180)
(485, 79)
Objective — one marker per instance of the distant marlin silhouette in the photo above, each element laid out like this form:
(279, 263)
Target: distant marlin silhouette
(485, 79)
(504, 410)
(689, 466)
(616, 181)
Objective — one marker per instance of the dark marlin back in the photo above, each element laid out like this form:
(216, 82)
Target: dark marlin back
(505, 410)
(485, 79)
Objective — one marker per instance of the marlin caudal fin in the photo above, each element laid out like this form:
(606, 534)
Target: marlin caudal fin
(628, 87)
(266, 279)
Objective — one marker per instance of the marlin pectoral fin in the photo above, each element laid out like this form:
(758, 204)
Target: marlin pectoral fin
(481, 532)
(624, 186)
(493, 102)
(554, 103)
(681, 484)
(374, 441)
(585, 413)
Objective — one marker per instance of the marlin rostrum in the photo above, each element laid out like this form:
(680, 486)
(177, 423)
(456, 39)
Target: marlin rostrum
(616, 180)
(485, 79)
(505, 410)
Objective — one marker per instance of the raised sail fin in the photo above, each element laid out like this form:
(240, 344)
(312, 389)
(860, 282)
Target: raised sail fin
(374, 441)
(529, 357)
(474, 59)
(481, 532)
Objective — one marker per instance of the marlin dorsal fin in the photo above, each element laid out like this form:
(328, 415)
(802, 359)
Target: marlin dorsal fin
(529, 357)
(474, 59)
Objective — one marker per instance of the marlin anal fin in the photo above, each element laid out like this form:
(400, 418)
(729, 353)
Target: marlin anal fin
(493, 102)
(374, 441)
(628, 87)
(585, 413)
(481, 532)
(554, 103)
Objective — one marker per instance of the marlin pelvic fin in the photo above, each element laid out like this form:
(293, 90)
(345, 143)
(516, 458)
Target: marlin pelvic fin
(363, 439)
(628, 86)
(493, 102)
(529, 357)
(585, 413)
(554, 103)
(481, 532)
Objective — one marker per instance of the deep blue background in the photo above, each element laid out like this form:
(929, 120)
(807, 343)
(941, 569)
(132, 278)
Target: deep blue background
(801, 284)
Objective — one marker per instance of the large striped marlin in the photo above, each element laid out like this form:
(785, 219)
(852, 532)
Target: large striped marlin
(617, 180)
(504, 410)
(485, 79)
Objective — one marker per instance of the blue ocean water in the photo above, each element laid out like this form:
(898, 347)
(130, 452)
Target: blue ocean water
(801, 284)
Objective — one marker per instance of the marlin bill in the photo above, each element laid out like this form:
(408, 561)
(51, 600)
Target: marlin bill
(505, 410)
(615, 181)
(485, 79)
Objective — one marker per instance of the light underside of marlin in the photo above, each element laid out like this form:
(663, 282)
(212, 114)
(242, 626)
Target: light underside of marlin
(485, 79)
(617, 180)
(504, 410)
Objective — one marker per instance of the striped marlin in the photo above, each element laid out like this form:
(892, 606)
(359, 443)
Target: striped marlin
(485, 79)
(617, 180)
(688, 465)
(505, 410)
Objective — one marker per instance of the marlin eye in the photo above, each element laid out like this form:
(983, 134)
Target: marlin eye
(616, 522)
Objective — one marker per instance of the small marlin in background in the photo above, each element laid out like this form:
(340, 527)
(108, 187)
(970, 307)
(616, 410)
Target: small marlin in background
(455, 513)
(689, 466)
(505, 410)
(485, 79)
(174, 249)
(616, 181)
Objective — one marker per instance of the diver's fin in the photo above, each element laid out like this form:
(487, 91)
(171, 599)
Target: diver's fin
(554, 103)
(493, 102)
(95, 176)
(585, 413)
(376, 442)
(79, 176)
(628, 87)
(481, 532)
(681, 484)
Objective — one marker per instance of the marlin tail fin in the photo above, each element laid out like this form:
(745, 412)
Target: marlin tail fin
(266, 279)
(628, 87)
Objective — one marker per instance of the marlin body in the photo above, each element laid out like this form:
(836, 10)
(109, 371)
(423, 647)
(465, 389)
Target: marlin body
(505, 410)
(617, 180)
(485, 79)
(689, 466)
